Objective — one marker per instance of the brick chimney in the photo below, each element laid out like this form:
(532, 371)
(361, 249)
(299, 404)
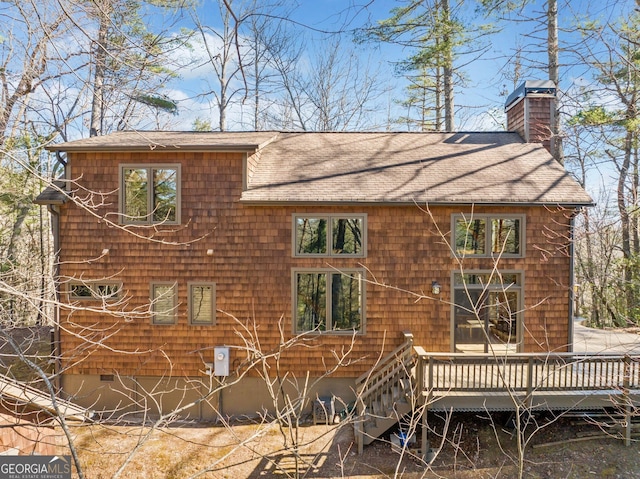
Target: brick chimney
(530, 110)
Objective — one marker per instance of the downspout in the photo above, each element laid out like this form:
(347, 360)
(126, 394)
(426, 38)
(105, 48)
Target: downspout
(571, 277)
(55, 345)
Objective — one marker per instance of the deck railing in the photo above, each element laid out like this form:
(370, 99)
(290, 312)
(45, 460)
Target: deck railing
(386, 373)
(525, 372)
(379, 387)
(554, 380)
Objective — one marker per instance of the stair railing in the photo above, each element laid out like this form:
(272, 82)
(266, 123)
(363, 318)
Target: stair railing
(377, 385)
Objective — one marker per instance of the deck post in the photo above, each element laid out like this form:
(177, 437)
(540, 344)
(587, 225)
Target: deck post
(422, 399)
(358, 426)
(528, 402)
(426, 447)
(627, 399)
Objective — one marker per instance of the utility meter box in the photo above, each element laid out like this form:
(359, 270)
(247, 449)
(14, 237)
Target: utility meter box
(221, 361)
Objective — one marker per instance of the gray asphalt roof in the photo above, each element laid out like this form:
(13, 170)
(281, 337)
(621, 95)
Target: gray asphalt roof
(168, 141)
(487, 168)
(382, 167)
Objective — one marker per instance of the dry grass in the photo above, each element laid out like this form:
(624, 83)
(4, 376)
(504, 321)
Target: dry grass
(179, 452)
(475, 450)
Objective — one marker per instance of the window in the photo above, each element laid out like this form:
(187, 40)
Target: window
(488, 235)
(328, 301)
(202, 303)
(95, 291)
(329, 235)
(487, 312)
(163, 303)
(150, 194)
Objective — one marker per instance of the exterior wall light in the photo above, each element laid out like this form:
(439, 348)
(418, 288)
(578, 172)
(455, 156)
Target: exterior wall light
(435, 287)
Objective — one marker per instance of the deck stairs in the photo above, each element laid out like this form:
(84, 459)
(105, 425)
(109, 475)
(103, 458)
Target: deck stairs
(21, 399)
(385, 394)
(412, 380)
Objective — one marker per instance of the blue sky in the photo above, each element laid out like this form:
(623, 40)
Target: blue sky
(479, 102)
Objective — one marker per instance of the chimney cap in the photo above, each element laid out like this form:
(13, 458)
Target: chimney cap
(531, 86)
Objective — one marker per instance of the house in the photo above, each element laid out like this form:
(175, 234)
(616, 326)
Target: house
(210, 249)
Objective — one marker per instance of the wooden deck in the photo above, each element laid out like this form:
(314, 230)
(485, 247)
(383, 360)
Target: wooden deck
(409, 377)
(549, 381)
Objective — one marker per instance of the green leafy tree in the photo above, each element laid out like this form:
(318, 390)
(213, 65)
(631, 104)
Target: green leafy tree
(615, 59)
(24, 239)
(542, 49)
(422, 99)
(129, 62)
(438, 34)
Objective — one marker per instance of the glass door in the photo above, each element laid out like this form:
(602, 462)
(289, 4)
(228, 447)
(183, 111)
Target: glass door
(486, 313)
(469, 322)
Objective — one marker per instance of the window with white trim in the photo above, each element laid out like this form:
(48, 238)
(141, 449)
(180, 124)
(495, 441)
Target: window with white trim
(164, 302)
(488, 235)
(329, 235)
(328, 301)
(202, 303)
(150, 194)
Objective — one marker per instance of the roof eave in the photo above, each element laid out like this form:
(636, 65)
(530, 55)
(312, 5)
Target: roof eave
(54, 194)
(46, 202)
(254, 202)
(248, 148)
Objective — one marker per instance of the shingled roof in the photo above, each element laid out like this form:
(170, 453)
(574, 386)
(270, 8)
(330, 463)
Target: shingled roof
(396, 168)
(461, 168)
(168, 141)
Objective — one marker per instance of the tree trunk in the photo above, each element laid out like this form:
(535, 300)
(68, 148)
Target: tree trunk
(625, 225)
(222, 109)
(552, 51)
(448, 68)
(590, 270)
(636, 203)
(438, 100)
(100, 67)
(634, 234)
(256, 91)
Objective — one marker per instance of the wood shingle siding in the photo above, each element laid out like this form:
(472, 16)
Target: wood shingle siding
(251, 267)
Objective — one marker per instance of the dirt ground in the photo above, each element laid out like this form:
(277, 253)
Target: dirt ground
(476, 446)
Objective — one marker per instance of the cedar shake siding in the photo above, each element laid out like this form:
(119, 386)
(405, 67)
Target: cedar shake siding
(252, 264)
(239, 196)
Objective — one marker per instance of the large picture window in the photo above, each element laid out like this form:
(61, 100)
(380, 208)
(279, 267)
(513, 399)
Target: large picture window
(488, 235)
(329, 235)
(328, 301)
(150, 194)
